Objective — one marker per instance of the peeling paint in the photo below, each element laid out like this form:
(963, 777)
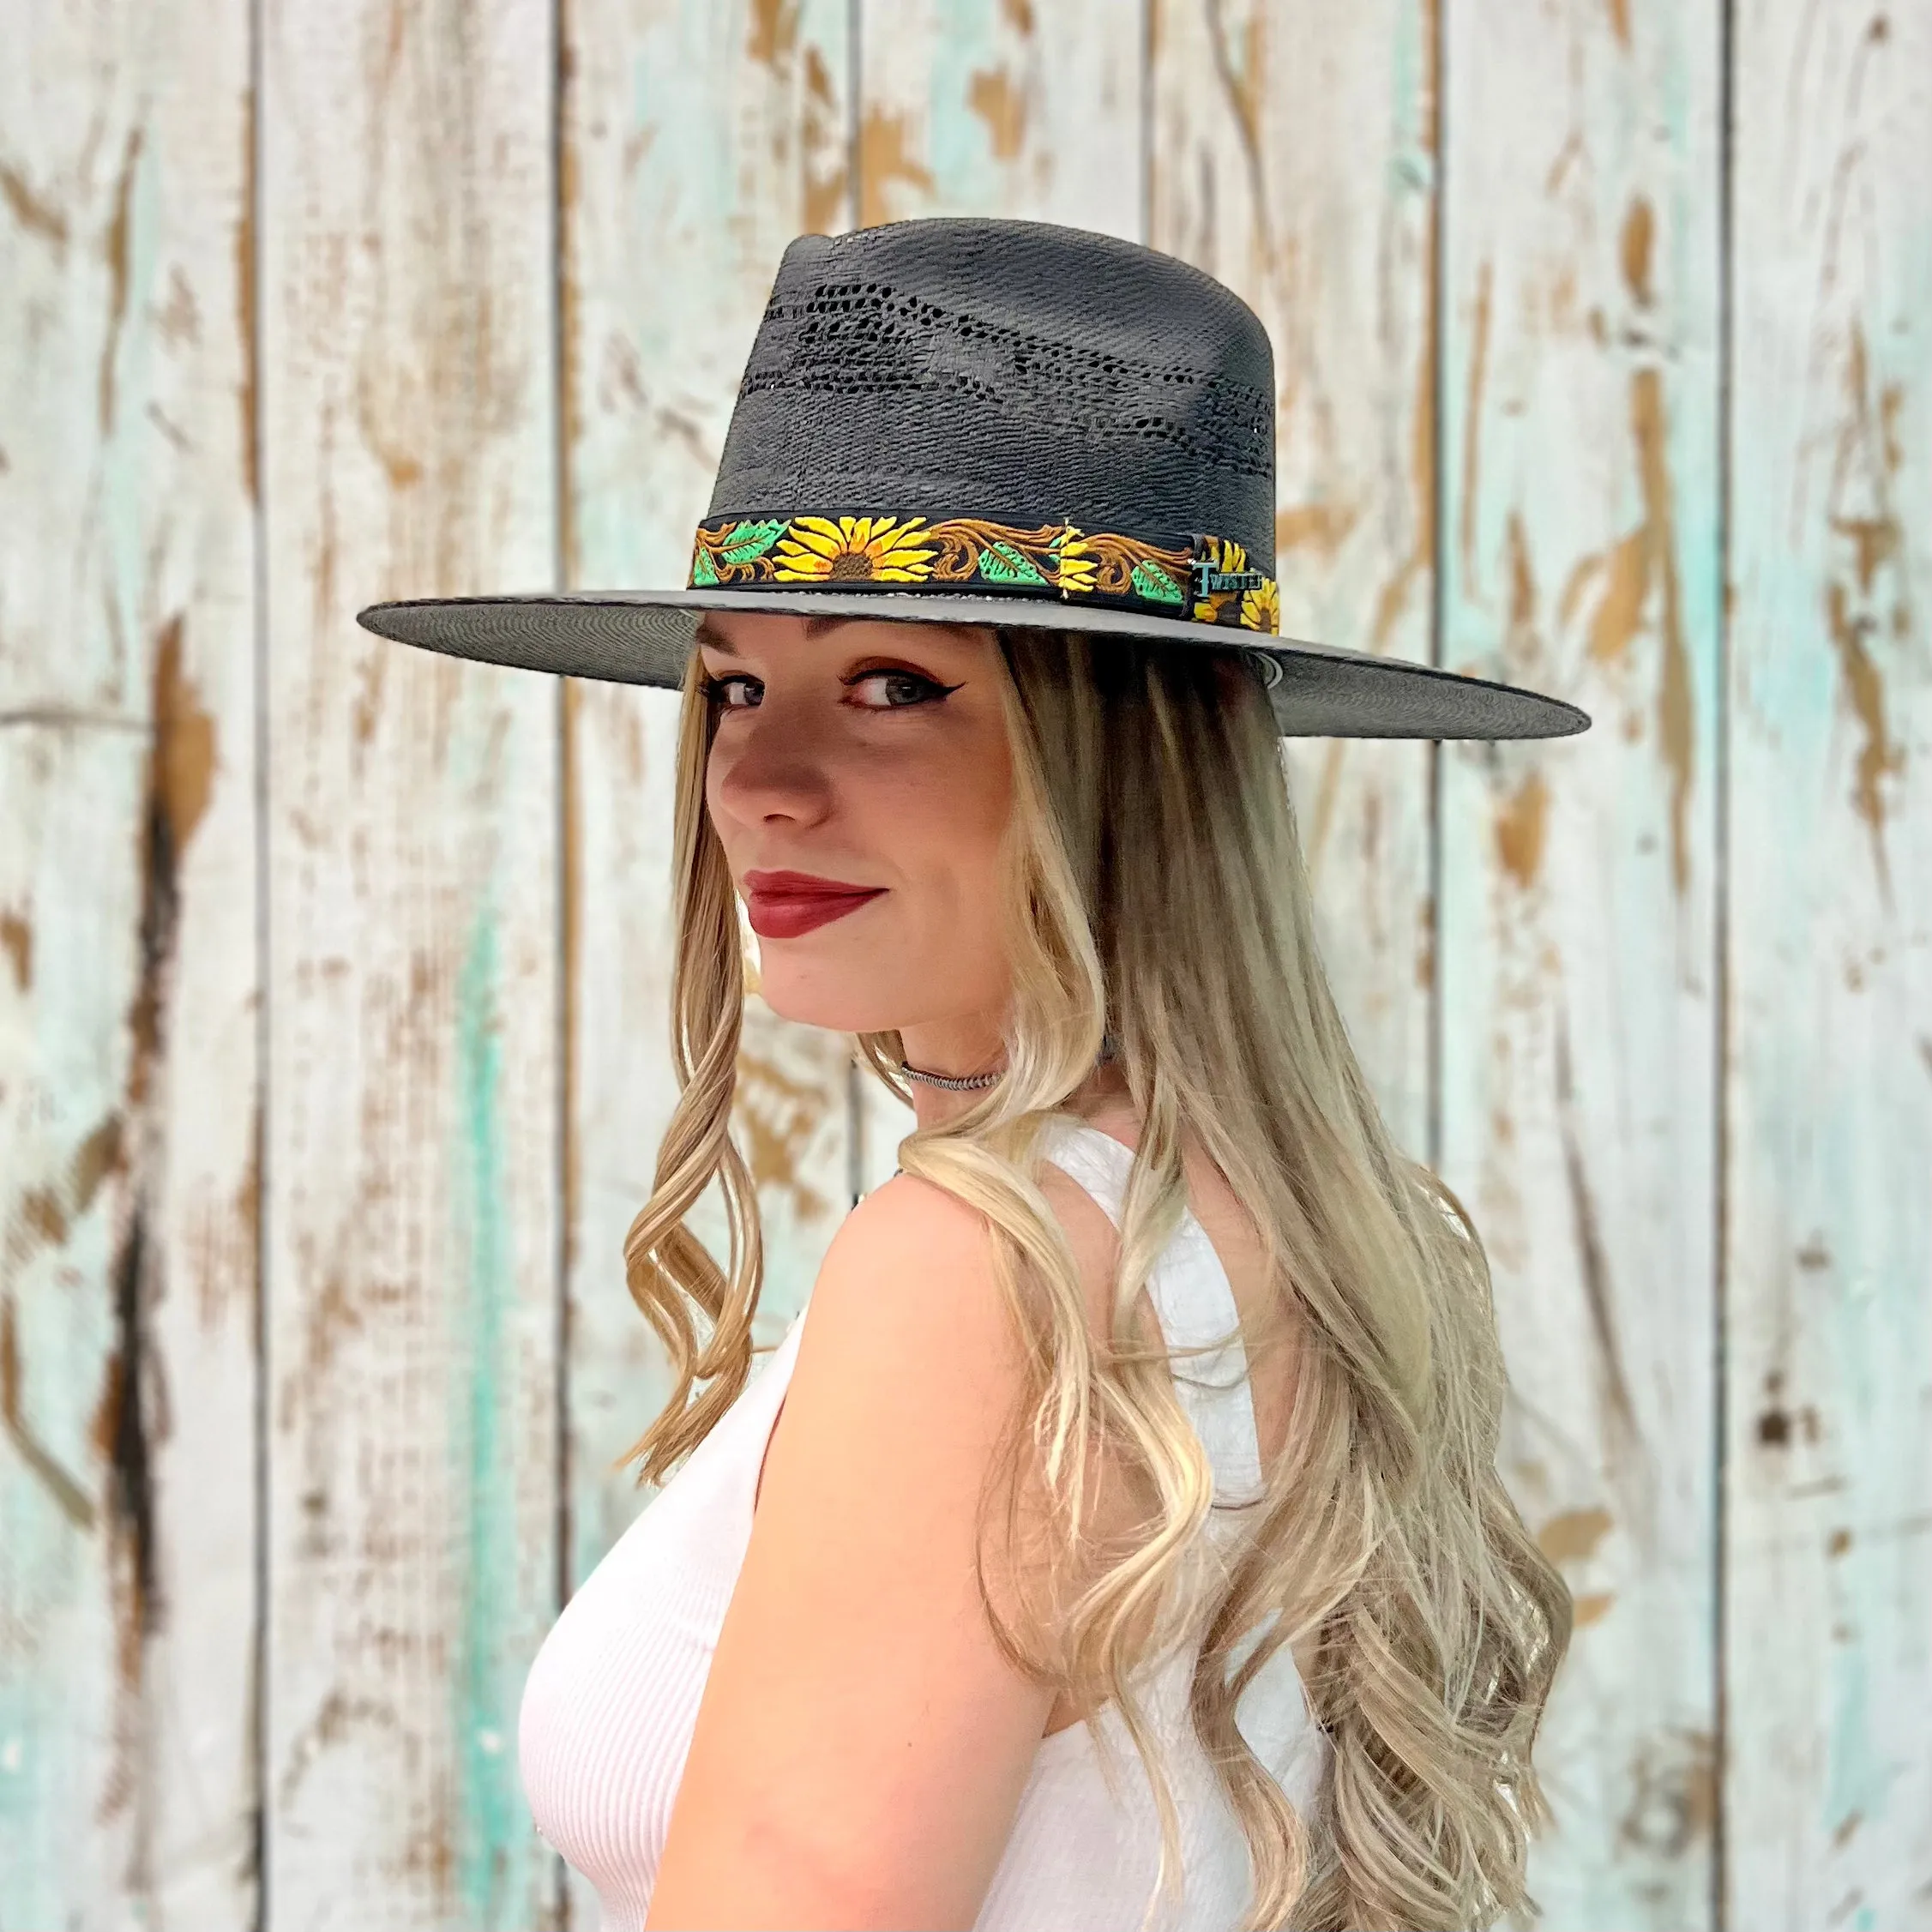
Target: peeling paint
(1521, 826)
(1471, 427)
(1320, 527)
(35, 214)
(992, 96)
(827, 160)
(63, 1490)
(1863, 518)
(1673, 1785)
(128, 1421)
(776, 1117)
(887, 156)
(1643, 559)
(114, 249)
(1572, 1535)
(1633, 247)
(1622, 1437)
(772, 33)
(1421, 560)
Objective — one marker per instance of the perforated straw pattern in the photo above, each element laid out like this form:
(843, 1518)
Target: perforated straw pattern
(846, 338)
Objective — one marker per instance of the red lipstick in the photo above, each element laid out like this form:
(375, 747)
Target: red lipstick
(784, 905)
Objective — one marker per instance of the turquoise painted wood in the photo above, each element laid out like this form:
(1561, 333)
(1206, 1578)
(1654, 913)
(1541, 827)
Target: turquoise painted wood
(129, 1092)
(329, 1088)
(412, 1223)
(1827, 1262)
(1579, 880)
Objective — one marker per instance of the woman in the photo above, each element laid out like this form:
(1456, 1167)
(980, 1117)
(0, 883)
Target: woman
(1117, 1531)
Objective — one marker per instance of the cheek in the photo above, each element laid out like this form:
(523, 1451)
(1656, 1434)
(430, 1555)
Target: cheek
(945, 825)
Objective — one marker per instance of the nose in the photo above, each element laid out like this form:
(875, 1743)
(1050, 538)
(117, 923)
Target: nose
(765, 766)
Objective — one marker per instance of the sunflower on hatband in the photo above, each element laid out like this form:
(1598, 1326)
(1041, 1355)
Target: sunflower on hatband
(879, 549)
(1261, 608)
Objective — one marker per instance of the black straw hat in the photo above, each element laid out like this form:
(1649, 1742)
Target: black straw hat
(996, 423)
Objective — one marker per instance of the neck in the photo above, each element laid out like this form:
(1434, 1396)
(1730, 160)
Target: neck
(956, 1048)
(965, 1047)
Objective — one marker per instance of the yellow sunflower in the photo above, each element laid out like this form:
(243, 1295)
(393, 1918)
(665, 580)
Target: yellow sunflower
(1261, 608)
(884, 549)
(1076, 562)
(1233, 558)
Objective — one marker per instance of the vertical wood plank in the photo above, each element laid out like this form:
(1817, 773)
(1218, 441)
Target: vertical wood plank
(1293, 157)
(697, 141)
(1580, 554)
(995, 107)
(128, 961)
(1002, 107)
(408, 262)
(1828, 1261)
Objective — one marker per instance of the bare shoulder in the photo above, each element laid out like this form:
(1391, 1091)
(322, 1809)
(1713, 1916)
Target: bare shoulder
(862, 1741)
(910, 1265)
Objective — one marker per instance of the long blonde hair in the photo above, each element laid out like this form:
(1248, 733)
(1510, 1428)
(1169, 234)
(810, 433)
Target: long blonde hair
(1151, 809)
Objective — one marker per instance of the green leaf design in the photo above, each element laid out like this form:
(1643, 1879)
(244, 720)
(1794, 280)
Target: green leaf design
(1153, 582)
(744, 541)
(703, 570)
(1001, 563)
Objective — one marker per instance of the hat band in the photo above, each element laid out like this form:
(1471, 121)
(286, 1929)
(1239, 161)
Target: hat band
(1210, 582)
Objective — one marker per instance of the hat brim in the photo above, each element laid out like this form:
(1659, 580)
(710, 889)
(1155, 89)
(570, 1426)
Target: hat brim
(646, 637)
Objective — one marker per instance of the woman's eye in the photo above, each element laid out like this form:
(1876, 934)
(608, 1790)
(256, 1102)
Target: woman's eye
(890, 690)
(735, 693)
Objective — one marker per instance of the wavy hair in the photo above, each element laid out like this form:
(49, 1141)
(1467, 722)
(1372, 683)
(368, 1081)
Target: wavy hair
(1150, 807)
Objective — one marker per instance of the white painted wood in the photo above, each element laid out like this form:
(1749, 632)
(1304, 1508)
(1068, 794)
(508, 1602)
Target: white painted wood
(127, 970)
(413, 1130)
(1002, 107)
(1578, 987)
(1293, 157)
(1828, 1254)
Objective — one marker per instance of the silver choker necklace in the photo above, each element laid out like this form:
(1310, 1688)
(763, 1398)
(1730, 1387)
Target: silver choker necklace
(953, 1083)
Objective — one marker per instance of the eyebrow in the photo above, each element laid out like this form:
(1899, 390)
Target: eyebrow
(815, 626)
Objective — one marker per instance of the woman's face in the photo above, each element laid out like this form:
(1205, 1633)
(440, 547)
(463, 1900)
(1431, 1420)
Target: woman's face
(860, 780)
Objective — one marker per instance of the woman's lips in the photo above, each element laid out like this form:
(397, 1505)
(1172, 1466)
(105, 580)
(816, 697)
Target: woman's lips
(784, 905)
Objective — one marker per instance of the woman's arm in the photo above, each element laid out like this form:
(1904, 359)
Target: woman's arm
(862, 1744)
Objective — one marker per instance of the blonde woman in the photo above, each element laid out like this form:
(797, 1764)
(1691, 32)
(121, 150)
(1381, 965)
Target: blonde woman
(1115, 1538)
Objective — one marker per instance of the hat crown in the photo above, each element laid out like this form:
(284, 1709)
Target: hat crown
(1013, 370)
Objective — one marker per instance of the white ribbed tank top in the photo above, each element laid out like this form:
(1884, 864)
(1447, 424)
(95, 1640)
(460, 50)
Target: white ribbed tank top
(611, 1699)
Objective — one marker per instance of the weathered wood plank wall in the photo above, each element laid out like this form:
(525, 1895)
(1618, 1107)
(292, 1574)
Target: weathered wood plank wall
(131, 1091)
(333, 976)
(1578, 883)
(1828, 1214)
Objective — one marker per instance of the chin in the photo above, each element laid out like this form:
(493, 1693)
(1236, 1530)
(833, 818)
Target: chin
(820, 999)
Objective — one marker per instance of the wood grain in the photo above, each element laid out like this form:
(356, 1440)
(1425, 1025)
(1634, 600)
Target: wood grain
(1579, 879)
(1293, 157)
(1670, 1043)
(412, 1221)
(1828, 1257)
(128, 969)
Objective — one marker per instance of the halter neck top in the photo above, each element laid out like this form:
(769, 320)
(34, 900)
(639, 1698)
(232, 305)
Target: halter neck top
(611, 1700)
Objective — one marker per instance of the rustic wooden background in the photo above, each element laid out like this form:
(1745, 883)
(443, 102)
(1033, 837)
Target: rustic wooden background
(332, 975)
